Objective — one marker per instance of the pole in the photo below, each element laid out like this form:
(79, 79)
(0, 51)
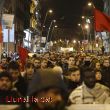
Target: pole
(44, 21)
(83, 32)
(49, 31)
(52, 33)
(8, 42)
(42, 26)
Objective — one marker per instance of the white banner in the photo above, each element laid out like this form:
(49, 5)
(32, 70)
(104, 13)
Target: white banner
(7, 20)
(8, 33)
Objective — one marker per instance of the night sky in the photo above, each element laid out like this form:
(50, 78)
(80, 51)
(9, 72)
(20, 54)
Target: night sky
(67, 13)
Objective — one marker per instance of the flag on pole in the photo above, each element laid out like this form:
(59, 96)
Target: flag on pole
(23, 53)
(102, 21)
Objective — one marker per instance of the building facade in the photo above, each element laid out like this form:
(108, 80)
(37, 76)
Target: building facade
(33, 32)
(20, 10)
(106, 40)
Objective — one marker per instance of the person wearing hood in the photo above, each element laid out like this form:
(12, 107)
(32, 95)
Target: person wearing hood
(49, 89)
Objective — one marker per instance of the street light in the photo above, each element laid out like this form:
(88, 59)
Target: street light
(55, 26)
(79, 24)
(87, 26)
(43, 26)
(49, 11)
(83, 17)
(74, 41)
(53, 21)
(90, 4)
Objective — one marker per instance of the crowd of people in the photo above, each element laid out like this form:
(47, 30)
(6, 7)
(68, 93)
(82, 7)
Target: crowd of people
(54, 81)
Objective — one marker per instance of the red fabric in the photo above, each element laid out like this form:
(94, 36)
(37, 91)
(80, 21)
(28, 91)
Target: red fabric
(23, 53)
(1, 38)
(102, 21)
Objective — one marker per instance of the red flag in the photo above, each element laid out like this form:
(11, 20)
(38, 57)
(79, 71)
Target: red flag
(102, 21)
(1, 38)
(23, 53)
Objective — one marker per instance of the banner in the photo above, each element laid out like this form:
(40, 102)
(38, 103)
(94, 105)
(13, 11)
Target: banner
(9, 33)
(43, 40)
(7, 20)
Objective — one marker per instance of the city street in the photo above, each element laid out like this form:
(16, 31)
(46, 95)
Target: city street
(54, 54)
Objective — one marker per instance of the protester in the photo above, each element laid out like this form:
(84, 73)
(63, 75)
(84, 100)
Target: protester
(37, 63)
(106, 72)
(3, 64)
(98, 76)
(29, 70)
(44, 63)
(51, 87)
(71, 62)
(6, 88)
(18, 81)
(73, 80)
(90, 92)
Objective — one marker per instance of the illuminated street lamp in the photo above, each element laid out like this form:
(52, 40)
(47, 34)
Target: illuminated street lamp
(83, 17)
(55, 26)
(74, 41)
(50, 11)
(43, 26)
(79, 24)
(53, 21)
(86, 26)
(90, 4)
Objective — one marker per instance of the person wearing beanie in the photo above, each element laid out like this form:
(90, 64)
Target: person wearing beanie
(49, 89)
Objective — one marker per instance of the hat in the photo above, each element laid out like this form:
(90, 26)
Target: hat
(5, 74)
(44, 79)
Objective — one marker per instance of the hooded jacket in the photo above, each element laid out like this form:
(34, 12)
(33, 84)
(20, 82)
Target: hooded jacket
(44, 79)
